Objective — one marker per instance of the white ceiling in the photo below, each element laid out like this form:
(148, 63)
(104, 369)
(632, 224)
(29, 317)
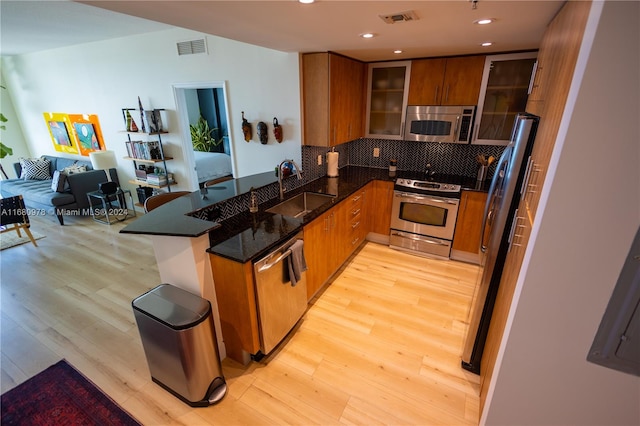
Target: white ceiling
(443, 27)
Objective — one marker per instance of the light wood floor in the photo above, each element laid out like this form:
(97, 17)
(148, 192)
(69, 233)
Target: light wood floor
(381, 345)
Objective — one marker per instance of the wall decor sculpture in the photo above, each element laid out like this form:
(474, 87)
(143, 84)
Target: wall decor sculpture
(263, 133)
(246, 128)
(277, 130)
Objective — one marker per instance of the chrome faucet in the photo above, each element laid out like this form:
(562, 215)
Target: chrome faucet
(298, 173)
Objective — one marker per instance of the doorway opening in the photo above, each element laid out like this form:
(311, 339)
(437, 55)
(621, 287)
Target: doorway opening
(203, 107)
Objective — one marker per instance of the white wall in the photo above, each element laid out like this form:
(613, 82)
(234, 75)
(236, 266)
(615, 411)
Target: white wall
(103, 77)
(592, 213)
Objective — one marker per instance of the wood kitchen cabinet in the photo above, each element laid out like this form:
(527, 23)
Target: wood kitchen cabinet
(446, 81)
(559, 51)
(379, 206)
(333, 89)
(332, 237)
(320, 250)
(466, 240)
(387, 90)
(355, 219)
(235, 293)
(504, 92)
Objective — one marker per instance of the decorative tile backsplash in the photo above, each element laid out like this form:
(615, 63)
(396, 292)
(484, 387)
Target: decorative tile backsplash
(455, 159)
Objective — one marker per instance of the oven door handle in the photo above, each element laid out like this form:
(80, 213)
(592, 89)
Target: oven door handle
(420, 198)
(421, 239)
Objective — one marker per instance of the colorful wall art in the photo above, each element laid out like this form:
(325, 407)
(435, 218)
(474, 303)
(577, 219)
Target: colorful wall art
(75, 133)
(86, 130)
(59, 129)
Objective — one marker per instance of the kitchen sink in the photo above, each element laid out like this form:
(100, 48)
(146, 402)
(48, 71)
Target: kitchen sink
(301, 204)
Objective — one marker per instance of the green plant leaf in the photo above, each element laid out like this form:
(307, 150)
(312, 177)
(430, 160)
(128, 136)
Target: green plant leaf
(5, 150)
(202, 136)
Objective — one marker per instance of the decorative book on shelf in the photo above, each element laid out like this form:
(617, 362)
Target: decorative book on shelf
(144, 150)
(152, 120)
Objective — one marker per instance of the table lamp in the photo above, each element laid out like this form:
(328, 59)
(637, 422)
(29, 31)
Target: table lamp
(105, 160)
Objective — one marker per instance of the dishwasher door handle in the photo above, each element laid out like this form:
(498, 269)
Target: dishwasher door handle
(269, 265)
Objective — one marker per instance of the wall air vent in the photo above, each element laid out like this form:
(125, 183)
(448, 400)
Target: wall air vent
(399, 17)
(192, 47)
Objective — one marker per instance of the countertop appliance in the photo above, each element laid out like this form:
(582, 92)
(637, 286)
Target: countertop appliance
(439, 123)
(500, 212)
(281, 298)
(423, 216)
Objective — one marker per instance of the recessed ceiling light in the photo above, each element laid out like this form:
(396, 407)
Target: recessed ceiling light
(486, 44)
(484, 21)
(397, 51)
(306, 1)
(367, 35)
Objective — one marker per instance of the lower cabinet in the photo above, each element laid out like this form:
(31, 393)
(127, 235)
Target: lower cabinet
(466, 240)
(354, 218)
(320, 250)
(379, 206)
(333, 237)
(235, 293)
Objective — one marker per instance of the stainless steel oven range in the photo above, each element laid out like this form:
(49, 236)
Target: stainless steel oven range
(423, 217)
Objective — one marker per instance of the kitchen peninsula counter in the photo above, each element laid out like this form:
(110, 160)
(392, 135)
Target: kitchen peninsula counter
(247, 236)
(178, 217)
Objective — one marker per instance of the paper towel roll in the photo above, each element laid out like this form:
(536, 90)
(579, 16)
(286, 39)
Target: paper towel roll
(332, 164)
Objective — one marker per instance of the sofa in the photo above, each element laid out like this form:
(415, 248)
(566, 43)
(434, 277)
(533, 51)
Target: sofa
(68, 196)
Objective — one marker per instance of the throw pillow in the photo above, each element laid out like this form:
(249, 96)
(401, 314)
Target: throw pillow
(74, 169)
(35, 168)
(59, 182)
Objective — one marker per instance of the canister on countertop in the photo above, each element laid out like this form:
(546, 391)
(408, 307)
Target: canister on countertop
(393, 167)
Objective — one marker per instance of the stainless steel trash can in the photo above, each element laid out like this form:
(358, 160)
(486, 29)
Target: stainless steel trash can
(178, 336)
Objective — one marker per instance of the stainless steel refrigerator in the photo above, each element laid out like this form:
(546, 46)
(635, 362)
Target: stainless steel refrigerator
(504, 195)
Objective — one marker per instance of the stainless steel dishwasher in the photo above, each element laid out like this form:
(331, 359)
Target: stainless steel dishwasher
(281, 302)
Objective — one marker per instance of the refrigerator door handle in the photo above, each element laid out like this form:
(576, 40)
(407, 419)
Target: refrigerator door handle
(488, 207)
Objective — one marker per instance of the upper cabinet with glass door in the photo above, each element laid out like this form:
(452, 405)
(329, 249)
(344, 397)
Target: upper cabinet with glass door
(506, 84)
(388, 87)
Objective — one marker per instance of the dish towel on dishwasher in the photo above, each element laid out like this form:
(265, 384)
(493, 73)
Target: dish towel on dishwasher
(297, 263)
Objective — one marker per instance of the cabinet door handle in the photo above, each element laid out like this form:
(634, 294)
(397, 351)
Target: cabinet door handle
(355, 241)
(355, 225)
(435, 96)
(533, 78)
(357, 198)
(527, 175)
(446, 96)
(355, 212)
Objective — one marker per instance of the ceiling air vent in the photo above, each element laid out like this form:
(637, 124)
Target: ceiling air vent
(399, 17)
(192, 47)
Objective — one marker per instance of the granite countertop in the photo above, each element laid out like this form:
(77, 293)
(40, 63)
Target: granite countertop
(174, 218)
(249, 236)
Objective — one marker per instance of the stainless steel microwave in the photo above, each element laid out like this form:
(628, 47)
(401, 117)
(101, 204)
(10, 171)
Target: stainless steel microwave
(436, 123)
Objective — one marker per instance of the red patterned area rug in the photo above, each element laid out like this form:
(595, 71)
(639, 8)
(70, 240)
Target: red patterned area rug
(60, 395)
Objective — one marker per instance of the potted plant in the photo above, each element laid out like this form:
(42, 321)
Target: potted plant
(202, 136)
